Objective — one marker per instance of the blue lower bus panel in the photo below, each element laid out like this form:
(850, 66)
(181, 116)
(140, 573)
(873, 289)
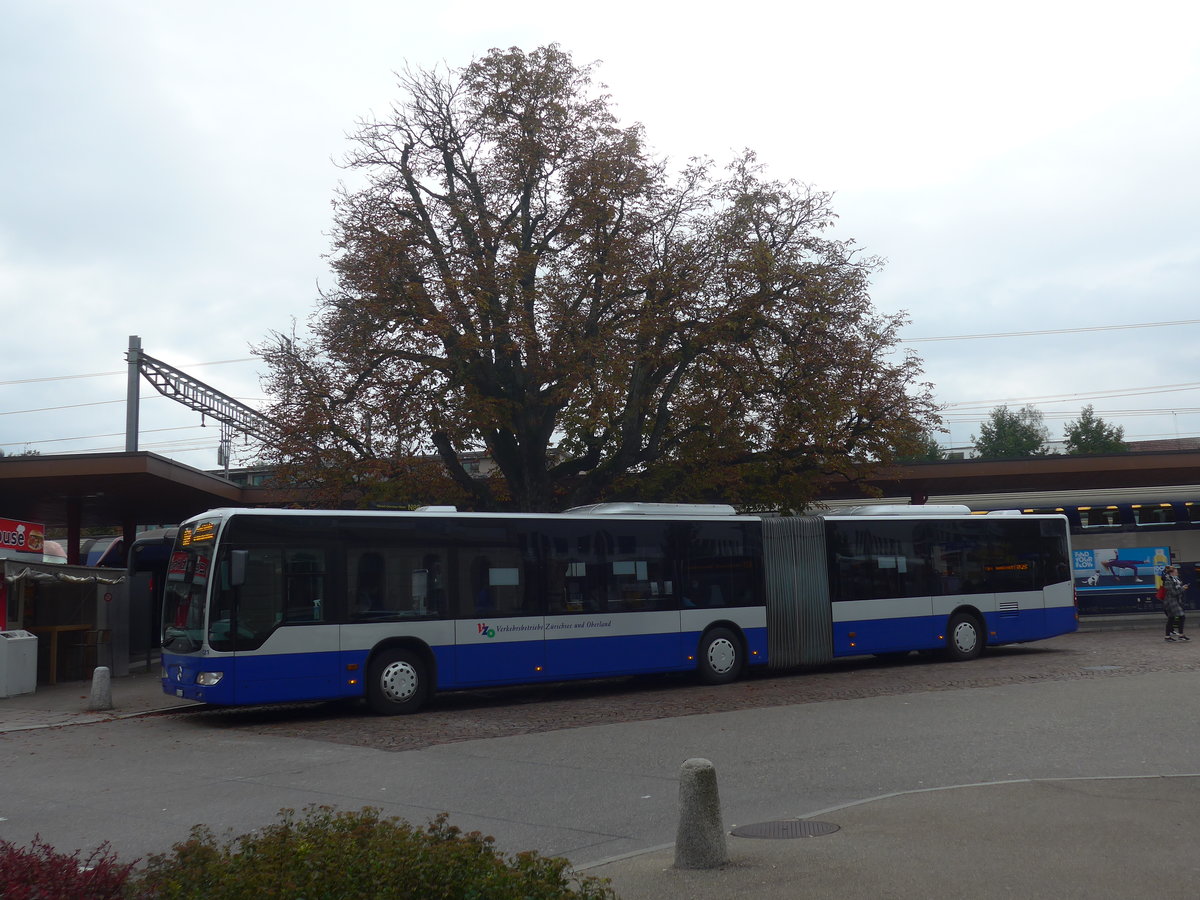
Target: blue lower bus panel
(867, 636)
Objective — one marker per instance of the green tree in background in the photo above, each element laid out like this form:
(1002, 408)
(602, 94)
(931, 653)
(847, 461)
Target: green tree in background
(926, 449)
(1008, 434)
(1090, 434)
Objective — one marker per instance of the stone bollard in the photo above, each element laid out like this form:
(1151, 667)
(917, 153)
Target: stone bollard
(101, 689)
(700, 841)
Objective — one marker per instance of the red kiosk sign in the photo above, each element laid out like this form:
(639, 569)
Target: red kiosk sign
(21, 541)
(21, 537)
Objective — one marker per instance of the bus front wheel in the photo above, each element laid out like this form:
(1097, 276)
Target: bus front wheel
(397, 683)
(964, 637)
(720, 656)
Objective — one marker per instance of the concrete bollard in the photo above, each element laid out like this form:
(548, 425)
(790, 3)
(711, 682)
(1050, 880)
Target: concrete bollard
(101, 689)
(700, 841)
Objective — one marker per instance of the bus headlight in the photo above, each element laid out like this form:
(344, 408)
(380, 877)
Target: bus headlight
(208, 679)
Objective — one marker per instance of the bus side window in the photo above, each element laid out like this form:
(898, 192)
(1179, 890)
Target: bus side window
(259, 600)
(369, 587)
(496, 588)
(641, 576)
(576, 581)
(720, 571)
(305, 581)
(579, 592)
(701, 594)
(433, 603)
(389, 583)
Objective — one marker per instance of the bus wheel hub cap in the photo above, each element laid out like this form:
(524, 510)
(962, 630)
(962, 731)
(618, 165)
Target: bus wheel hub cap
(399, 681)
(964, 637)
(721, 656)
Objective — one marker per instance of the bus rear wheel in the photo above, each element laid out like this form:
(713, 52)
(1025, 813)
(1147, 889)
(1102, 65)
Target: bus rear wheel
(964, 637)
(397, 683)
(720, 656)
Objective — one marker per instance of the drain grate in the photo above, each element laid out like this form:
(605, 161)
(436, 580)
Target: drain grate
(787, 828)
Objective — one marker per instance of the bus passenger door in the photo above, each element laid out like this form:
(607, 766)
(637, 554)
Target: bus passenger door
(285, 647)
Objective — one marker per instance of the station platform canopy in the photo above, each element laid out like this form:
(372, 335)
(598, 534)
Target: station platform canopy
(122, 490)
(919, 481)
(105, 489)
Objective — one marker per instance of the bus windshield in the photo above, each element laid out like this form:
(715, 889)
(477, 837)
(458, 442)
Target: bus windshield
(186, 589)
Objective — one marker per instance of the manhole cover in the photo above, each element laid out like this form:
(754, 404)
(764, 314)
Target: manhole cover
(788, 828)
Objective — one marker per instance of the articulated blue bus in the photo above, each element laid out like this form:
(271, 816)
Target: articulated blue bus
(266, 606)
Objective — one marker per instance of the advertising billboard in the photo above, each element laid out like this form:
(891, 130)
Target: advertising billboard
(1124, 569)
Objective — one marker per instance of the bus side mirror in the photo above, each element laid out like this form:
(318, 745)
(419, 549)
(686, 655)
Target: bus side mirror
(237, 567)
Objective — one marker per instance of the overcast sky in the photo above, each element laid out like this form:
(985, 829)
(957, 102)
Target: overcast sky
(1024, 167)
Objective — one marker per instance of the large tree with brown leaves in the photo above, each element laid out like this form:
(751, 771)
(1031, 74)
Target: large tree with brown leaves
(518, 278)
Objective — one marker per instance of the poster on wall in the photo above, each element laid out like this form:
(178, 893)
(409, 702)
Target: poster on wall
(1126, 569)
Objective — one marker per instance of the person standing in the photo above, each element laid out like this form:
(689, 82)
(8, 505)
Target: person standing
(1173, 604)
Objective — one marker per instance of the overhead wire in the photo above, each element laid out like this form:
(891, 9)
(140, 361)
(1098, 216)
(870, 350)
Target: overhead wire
(13, 412)
(90, 437)
(216, 362)
(154, 396)
(1080, 395)
(1079, 330)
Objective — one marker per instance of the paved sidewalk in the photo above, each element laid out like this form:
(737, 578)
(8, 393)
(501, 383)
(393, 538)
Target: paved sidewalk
(1121, 838)
(66, 703)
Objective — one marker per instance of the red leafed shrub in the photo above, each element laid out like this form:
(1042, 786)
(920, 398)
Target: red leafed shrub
(39, 872)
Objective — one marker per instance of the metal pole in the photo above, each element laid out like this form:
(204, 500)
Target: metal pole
(131, 394)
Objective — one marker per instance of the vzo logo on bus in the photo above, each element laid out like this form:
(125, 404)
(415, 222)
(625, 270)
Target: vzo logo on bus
(485, 631)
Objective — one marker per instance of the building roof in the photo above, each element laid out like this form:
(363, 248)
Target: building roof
(108, 489)
(1041, 473)
(1164, 445)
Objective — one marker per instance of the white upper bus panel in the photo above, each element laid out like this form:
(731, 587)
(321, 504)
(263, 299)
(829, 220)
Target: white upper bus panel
(654, 509)
(904, 511)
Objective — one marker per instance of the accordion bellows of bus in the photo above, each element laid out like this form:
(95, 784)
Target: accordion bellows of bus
(268, 606)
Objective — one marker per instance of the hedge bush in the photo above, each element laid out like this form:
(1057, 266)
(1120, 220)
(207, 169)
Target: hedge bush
(39, 872)
(319, 855)
(324, 855)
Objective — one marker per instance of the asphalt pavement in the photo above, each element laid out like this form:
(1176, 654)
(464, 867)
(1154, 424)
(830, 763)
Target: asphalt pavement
(1112, 813)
